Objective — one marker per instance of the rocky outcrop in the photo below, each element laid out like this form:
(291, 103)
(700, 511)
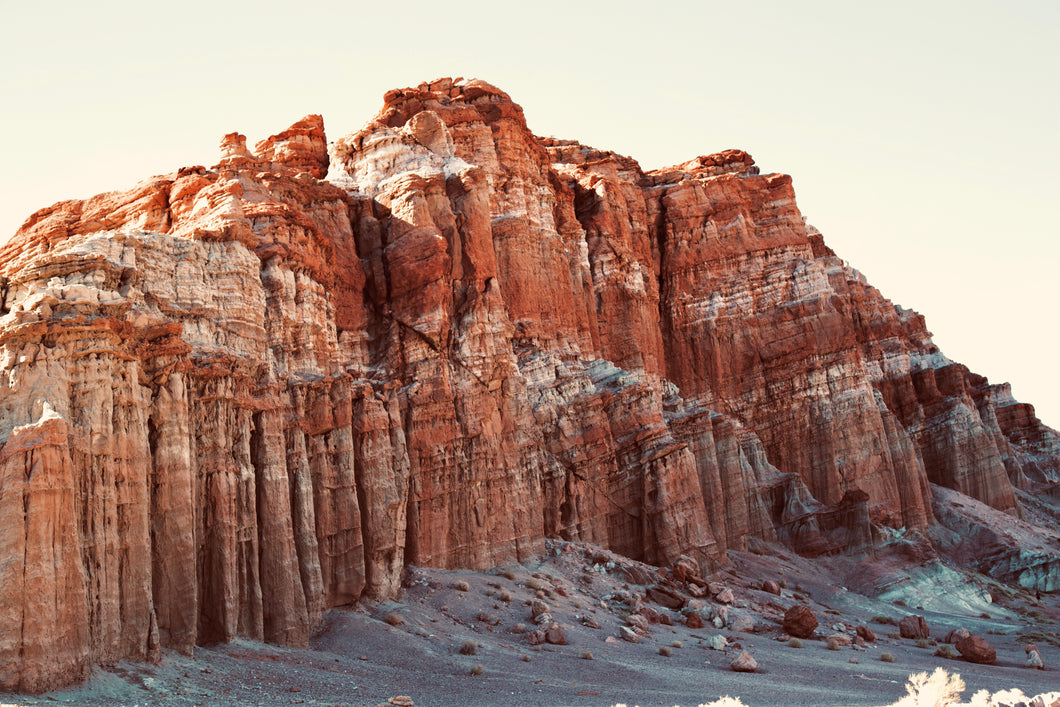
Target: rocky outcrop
(235, 397)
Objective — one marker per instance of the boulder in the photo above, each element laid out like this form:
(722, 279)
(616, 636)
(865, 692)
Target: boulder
(693, 620)
(744, 663)
(799, 621)
(866, 634)
(913, 627)
(1034, 657)
(956, 635)
(975, 649)
(771, 587)
(666, 597)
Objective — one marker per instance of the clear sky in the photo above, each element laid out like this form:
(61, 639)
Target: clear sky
(922, 136)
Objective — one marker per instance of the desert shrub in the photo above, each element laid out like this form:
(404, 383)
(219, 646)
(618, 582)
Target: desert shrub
(834, 612)
(394, 619)
(508, 574)
(886, 657)
(984, 615)
(462, 586)
(677, 644)
(532, 583)
(666, 651)
(795, 643)
(477, 669)
(900, 602)
(887, 620)
(469, 647)
(926, 643)
(525, 658)
(587, 655)
(489, 592)
(832, 644)
(897, 635)
(947, 651)
(505, 596)
(938, 689)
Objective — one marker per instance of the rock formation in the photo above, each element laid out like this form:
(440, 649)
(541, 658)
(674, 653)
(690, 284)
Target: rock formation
(235, 397)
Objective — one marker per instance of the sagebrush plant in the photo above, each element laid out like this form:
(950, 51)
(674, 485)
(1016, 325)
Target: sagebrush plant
(947, 651)
(832, 644)
(794, 643)
(677, 644)
(477, 669)
(940, 689)
(509, 575)
(666, 651)
(394, 619)
(462, 586)
(469, 647)
(887, 620)
(587, 655)
(886, 657)
(505, 596)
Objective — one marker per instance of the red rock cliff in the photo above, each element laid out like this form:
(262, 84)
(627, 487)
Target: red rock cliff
(235, 397)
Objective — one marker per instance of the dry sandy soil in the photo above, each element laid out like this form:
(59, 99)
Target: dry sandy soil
(360, 658)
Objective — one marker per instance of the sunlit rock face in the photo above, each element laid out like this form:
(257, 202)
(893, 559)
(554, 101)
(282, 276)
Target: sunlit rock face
(235, 397)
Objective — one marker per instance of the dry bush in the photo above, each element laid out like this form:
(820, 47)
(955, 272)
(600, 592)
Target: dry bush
(947, 651)
(394, 619)
(505, 596)
(587, 655)
(462, 586)
(832, 644)
(677, 644)
(666, 651)
(469, 647)
(888, 620)
(886, 657)
(508, 574)
(940, 689)
(477, 669)
(794, 643)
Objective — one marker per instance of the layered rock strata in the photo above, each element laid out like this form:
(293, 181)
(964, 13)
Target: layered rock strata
(235, 397)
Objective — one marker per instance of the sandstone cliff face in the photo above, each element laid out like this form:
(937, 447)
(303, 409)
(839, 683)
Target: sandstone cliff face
(235, 397)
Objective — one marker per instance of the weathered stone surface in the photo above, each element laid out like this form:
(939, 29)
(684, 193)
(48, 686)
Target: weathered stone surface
(913, 627)
(744, 662)
(799, 621)
(234, 397)
(866, 634)
(976, 649)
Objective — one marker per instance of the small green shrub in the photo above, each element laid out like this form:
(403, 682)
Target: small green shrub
(886, 657)
(795, 643)
(947, 651)
(469, 647)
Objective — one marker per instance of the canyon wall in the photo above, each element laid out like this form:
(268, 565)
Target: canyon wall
(235, 397)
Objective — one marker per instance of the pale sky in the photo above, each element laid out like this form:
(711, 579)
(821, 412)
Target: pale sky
(921, 136)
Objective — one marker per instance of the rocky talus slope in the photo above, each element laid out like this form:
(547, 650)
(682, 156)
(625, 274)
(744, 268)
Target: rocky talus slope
(235, 397)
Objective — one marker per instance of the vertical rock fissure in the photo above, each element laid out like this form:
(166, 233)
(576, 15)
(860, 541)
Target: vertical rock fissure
(359, 482)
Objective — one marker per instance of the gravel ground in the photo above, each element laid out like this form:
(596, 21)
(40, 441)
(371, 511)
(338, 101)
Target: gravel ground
(372, 653)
